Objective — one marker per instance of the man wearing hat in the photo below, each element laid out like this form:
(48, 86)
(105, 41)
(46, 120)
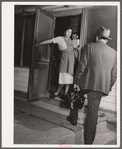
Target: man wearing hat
(96, 74)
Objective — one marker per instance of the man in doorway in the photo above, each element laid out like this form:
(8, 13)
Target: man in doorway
(96, 73)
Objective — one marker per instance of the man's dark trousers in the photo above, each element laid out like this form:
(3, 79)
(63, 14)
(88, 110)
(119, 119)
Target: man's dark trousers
(90, 124)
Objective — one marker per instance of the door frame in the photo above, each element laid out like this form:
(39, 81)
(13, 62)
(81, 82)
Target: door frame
(31, 68)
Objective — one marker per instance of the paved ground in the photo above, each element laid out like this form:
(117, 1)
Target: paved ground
(32, 130)
(36, 125)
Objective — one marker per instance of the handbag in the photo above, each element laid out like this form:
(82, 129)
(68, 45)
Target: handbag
(77, 100)
(74, 100)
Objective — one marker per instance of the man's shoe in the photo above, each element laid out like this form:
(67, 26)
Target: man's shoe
(73, 122)
(68, 118)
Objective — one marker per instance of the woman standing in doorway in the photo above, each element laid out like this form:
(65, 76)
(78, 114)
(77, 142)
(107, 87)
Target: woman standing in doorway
(66, 69)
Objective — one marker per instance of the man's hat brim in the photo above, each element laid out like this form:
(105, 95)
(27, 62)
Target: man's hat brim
(103, 36)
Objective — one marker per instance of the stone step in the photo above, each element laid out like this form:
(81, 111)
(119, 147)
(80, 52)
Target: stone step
(72, 134)
(53, 112)
(55, 106)
(29, 129)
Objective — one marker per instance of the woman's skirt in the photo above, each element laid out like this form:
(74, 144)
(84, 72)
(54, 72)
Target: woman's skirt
(65, 78)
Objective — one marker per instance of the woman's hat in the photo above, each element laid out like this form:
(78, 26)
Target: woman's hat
(103, 32)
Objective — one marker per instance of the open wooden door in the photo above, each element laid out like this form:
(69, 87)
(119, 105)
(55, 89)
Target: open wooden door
(41, 56)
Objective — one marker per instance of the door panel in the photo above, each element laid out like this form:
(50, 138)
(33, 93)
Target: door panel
(39, 72)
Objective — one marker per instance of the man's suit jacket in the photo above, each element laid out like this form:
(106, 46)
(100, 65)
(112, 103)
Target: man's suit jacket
(97, 69)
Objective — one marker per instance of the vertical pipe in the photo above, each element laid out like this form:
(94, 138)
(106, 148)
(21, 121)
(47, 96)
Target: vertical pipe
(23, 38)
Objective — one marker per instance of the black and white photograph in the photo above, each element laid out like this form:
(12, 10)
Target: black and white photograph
(60, 74)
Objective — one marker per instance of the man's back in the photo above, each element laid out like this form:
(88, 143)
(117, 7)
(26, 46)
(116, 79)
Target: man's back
(101, 56)
(99, 59)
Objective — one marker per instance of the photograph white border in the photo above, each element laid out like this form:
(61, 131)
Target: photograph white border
(7, 55)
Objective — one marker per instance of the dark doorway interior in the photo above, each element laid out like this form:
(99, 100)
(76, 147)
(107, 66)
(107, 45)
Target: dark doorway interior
(61, 23)
(24, 33)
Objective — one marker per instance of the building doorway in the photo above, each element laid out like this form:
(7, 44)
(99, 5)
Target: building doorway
(61, 23)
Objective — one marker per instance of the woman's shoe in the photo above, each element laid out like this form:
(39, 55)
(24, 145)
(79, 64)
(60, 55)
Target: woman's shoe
(73, 122)
(54, 95)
